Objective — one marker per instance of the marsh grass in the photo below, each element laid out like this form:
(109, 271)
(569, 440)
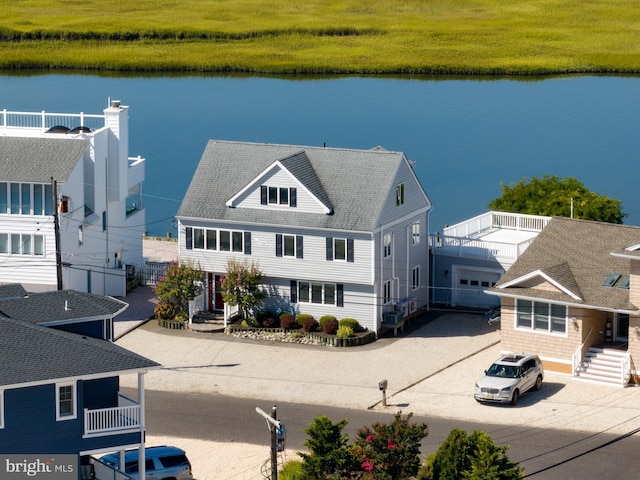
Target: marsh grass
(335, 36)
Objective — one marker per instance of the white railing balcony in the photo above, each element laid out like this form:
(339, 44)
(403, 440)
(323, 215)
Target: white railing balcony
(125, 417)
(469, 247)
(44, 121)
(497, 220)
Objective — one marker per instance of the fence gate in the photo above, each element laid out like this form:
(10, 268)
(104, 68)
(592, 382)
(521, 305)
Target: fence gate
(153, 272)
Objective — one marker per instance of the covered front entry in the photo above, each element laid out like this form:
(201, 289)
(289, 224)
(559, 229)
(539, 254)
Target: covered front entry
(621, 327)
(214, 293)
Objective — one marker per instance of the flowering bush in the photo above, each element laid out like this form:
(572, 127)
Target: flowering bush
(164, 310)
(389, 452)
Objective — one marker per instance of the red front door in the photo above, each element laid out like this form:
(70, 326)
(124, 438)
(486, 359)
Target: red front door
(215, 294)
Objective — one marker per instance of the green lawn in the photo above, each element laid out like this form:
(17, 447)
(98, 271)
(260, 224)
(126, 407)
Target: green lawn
(524, 37)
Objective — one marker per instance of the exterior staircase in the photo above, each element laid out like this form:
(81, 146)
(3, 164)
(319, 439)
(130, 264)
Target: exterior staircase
(603, 365)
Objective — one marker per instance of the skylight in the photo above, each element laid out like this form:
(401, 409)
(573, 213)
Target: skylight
(611, 280)
(624, 283)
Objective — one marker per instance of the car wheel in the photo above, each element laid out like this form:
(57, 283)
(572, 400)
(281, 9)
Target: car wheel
(539, 382)
(514, 397)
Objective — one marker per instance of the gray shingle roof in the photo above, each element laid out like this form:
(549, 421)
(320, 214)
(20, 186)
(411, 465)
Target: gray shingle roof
(12, 290)
(355, 183)
(39, 159)
(49, 307)
(577, 255)
(38, 354)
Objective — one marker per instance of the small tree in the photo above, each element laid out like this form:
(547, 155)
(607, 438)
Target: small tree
(181, 283)
(390, 452)
(329, 455)
(241, 286)
(473, 457)
(555, 196)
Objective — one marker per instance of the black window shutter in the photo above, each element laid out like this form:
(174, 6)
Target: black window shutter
(278, 245)
(329, 248)
(294, 291)
(340, 295)
(188, 235)
(263, 195)
(299, 253)
(247, 243)
(293, 197)
(349, 249)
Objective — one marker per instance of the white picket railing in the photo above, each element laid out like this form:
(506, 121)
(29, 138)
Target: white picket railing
(44, 121)
(123, 417)
(504, 220)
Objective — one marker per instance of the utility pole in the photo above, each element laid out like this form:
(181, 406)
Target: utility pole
(276, 428)
(56, 230)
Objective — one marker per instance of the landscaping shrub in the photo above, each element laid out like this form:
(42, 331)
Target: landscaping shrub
(326, 318)
(164, 311)
(250, 322)
(287, 321)
(267, 319)
(292, 470)
(182, 316)
(344, 332)
(350, 322)
(310, 325)
(301, 317)
(330, 327)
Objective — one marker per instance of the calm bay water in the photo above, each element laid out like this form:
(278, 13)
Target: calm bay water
(466, 136)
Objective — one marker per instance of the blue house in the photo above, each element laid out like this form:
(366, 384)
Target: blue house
(67, 310)
(59, 390)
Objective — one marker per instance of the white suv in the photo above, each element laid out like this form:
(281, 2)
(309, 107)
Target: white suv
(161, 463)
(509, 377)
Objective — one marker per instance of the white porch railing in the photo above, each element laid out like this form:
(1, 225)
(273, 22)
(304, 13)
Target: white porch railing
(504, 220)
(626, 369)
(125, 416)
(577, 355)
(44, 121)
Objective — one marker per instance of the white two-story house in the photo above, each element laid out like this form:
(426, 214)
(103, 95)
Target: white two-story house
(71, 214)
(334, 231)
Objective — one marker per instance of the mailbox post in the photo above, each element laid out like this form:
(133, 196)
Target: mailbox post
(383, 388)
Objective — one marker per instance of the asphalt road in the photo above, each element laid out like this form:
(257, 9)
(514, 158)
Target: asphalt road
(544, 454)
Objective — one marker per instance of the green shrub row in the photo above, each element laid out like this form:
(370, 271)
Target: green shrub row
(304, 321)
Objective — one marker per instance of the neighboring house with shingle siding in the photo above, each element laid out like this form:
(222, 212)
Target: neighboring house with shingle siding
(335, 231)
(61, 393)
(573, 297)
(83, 161)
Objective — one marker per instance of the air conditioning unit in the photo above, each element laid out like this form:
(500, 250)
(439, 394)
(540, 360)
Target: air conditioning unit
(392, 318)
(413, 305)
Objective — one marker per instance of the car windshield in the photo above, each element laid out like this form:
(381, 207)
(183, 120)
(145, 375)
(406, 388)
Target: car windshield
(505, 371)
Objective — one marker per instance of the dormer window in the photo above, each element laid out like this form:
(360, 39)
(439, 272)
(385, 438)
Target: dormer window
(283, 196)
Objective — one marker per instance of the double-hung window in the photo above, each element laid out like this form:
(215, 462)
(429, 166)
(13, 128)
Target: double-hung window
(415, 277)
(415, 233)
(284, 196)
(399, 194)
(289, 246)
(66, 407)
(222, 240)
(340, 249)
(386, 245)
(386, 292)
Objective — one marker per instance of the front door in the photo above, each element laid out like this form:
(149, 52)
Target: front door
(215, 301)
(622, 327)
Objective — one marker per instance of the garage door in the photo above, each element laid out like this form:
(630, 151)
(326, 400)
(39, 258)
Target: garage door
(469, 286)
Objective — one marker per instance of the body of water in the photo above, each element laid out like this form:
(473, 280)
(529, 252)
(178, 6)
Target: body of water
(465, 135)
